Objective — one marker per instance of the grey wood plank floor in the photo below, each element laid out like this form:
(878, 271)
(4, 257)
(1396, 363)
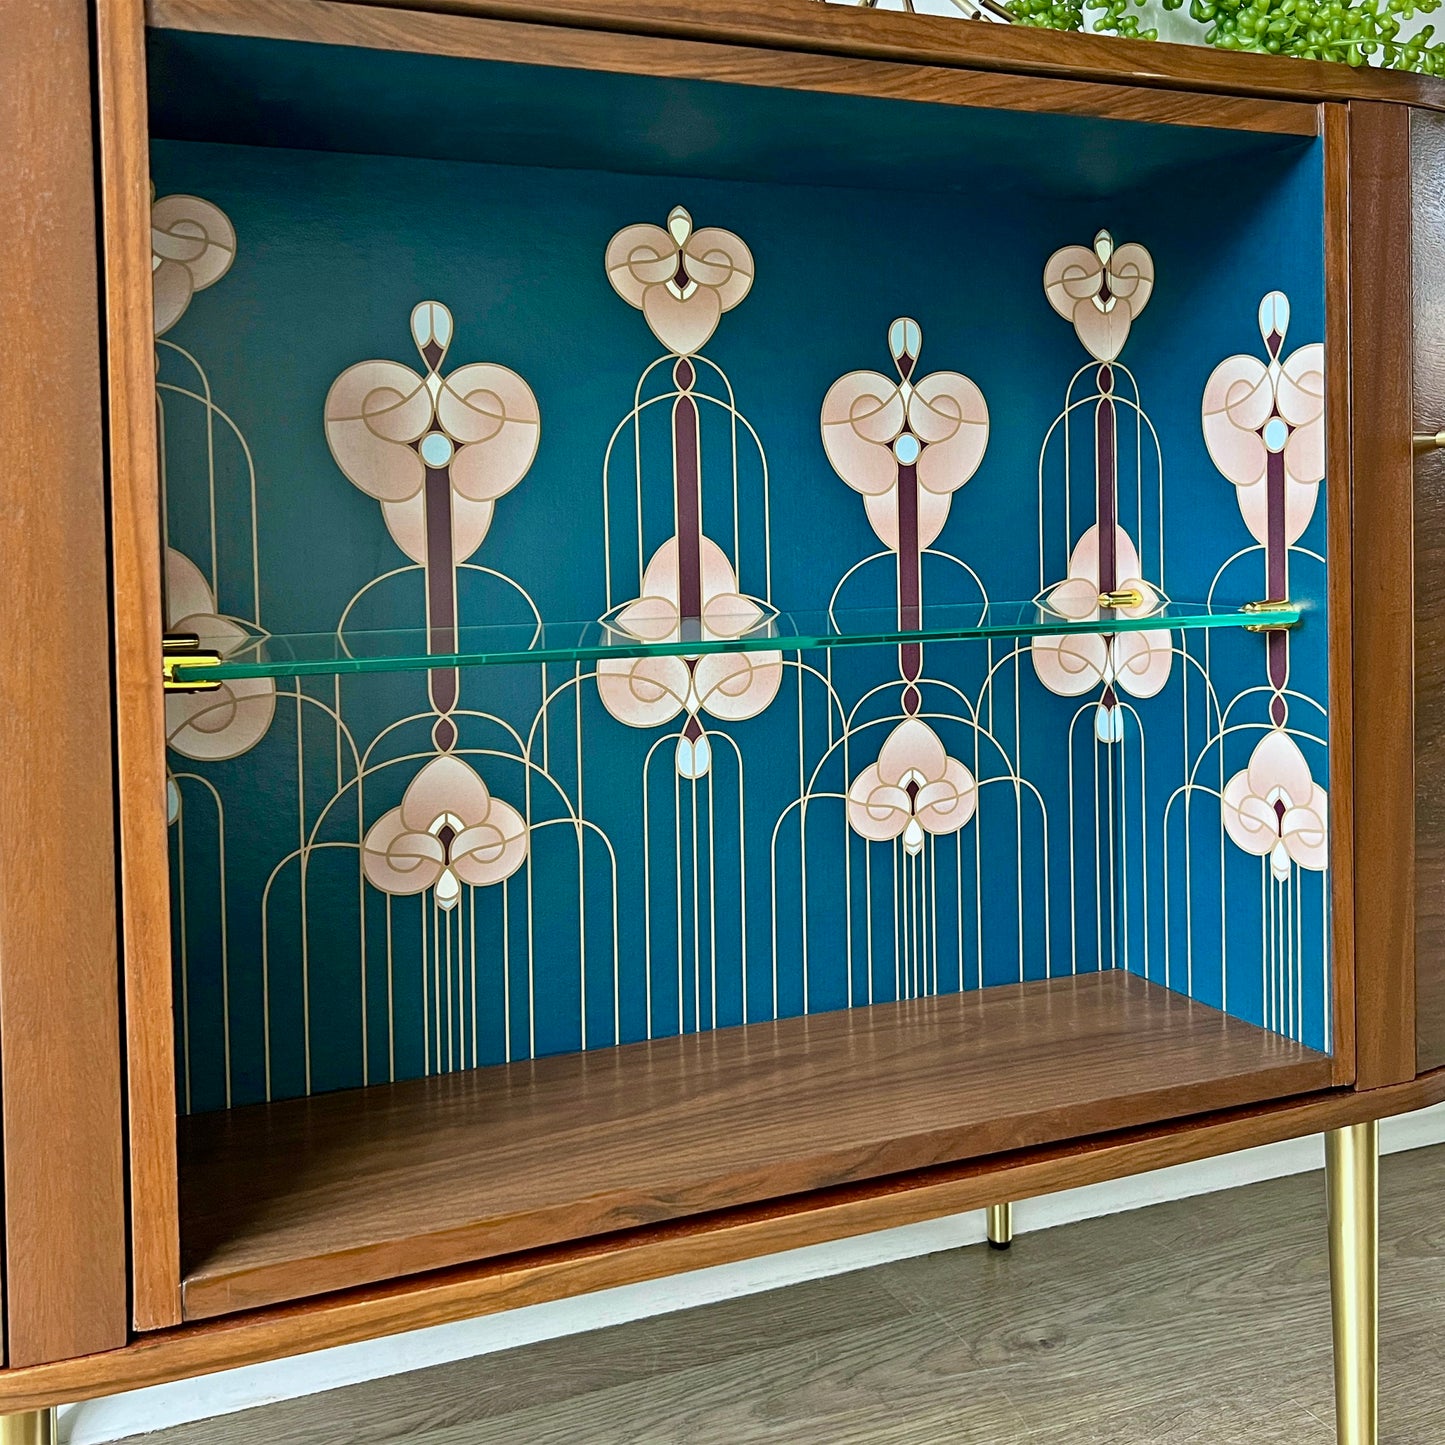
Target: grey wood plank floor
(1202, 1322)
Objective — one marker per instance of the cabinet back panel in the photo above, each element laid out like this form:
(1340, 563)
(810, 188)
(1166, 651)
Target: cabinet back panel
(628, 879)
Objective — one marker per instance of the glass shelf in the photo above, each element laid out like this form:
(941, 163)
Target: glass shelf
(321, 654)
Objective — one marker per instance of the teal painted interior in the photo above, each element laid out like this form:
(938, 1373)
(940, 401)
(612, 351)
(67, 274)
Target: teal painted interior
(334, 249)
(324, 97)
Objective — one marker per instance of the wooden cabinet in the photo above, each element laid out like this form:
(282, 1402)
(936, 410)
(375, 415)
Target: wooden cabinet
(777, 620)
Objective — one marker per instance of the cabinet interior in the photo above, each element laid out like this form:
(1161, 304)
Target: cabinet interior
(428, 389)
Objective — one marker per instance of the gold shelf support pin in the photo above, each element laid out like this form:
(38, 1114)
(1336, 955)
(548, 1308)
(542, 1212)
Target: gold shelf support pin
(183, 649)
(1126, 597)
(1270, 604)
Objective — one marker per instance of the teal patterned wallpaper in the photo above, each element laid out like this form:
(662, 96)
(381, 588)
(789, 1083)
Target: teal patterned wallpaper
(404, 392)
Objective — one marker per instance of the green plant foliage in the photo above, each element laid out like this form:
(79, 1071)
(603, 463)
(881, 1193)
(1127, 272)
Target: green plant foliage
(1358, 32)
(1048, 14)
(1323, 30)
(1115, 17)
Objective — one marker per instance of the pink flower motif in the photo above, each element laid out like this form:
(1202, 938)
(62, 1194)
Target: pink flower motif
(656, 615)
(1101, 290)
(449, 830)
(734, 686)
(192, 246)
(233, 718)
(1075, 663)
(1254, 410)
(913, 789)
(874, 424)
(1274, 809)
(387, 427)
(681, 280)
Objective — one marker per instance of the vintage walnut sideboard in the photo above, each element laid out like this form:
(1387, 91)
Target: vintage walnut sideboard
(645, 632)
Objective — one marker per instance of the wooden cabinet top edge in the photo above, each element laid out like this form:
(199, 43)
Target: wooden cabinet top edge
(441, 33)
(810, 26)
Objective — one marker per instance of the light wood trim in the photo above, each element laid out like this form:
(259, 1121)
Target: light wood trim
(64, 1212)
(656, 1252)
(1335, 125)
(943, 40)
(140, 711)
(377, 28)
(1384, 593)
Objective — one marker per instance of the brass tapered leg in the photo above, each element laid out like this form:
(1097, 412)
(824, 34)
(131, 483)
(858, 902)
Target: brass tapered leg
(1000, 1226)
(1352, 1180)
(34, 1427)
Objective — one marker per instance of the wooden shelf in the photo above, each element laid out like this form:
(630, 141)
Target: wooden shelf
(286, 1200)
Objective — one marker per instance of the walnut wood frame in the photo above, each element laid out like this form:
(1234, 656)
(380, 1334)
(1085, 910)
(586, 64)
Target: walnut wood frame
(1382, 471)
(60, 1066)
(1427, 199)
(808, 27)
(74, 1345)
(376, 27)
(138, 621)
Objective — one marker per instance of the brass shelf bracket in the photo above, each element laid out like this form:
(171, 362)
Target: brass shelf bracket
(1270, 604)
(183, 649)
(1126, 597)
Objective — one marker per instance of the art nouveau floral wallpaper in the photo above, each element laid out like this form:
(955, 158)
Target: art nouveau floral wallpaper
(659, 403)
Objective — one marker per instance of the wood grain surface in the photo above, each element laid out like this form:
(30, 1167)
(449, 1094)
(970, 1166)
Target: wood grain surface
(253, 1238)
(297, 1198)
(656, 1251)
(1339, 522)
(806, 25)
(59, 980)
(1384, 657)
(385, 28)
(1427, 147)
(140, 715)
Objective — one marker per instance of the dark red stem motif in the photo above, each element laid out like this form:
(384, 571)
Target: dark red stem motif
(443, 683)
(1276, 557)
(1106, 475)
(687, 489)
(910, 560)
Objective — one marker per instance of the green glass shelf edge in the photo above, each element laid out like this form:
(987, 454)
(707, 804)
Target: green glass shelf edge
(326, 654)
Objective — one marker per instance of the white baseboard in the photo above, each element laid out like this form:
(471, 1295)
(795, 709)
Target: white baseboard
(156, 1408)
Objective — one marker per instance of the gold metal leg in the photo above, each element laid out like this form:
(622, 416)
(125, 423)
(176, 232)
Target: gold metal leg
(35, 1427)
(1352, 1180)
(1000, 1227)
